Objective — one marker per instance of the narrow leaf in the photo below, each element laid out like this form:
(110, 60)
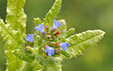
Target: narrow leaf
(13, 62)
(11, 36)
(80, 42)
(15, 15)
(48, 20)
(14, 41)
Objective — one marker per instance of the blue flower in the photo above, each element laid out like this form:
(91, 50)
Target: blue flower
(64, 45)
(29, 37)
(50, 50)
(40, 28)
(56, 24)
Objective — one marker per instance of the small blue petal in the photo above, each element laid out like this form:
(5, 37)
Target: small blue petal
(50, 51)
(64, 48)
(36, 28)
(29, 37)
(67, 44)
(40, 28)
(29, 34)
(46, 50)
(56, 24)
(64, 45)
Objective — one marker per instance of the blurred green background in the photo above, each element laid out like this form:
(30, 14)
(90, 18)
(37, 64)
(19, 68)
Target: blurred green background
(82, 15)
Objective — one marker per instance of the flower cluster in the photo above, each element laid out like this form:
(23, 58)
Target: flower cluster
(52, 47)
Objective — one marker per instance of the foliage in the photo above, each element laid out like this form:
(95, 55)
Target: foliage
(23, 55)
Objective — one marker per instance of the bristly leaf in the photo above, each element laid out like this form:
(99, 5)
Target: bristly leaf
(80, 42)
(13, 62)
(15, 15)
(28, 57)
(11, 36)
(13, 41)
(16, 19)
(48, 20)
(34, 67)
(11, 33)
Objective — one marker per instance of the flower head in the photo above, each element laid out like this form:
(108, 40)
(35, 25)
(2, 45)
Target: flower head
(64, 45)
(40, 28)
(29, 37)
(50, 50)
(56, 24)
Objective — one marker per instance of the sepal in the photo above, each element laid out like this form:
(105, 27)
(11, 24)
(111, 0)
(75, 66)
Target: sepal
(37, 21)
(63, 27)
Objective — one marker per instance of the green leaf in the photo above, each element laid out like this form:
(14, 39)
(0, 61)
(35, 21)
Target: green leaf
(15, 15)
(80, 42)
(11, 33)
(25, 66)
(13, 62)
(24, 55)
(34, 66)
(48, 20)
(12, 37)
(14, 41)
(37, 21)
(49, 63)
